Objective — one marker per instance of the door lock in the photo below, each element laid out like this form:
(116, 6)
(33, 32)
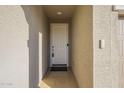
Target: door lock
(67, 44)
(52, 54)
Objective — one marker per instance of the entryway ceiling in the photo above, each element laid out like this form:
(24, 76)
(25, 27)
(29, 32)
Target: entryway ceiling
(66, 10)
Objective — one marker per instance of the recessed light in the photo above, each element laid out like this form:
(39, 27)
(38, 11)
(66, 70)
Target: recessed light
(59, 13)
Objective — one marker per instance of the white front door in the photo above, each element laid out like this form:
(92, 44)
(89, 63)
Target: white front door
(58, 44)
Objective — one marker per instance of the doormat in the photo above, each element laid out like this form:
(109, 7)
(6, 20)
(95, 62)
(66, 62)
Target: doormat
(58, 68)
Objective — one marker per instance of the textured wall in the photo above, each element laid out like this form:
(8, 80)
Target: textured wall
(14, 52)
(114, 49)
(38, 43)
(24, 40)
(120, 35)
(105, 26)
(82, 46)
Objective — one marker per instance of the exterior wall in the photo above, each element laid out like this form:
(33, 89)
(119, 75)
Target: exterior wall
(82, 46)
(38, 43)
(114, 50)
(121, 50)
(14, 56)
(24, 46)
(105, 26)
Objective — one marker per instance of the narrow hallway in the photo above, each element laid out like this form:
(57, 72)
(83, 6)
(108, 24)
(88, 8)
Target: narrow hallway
(59, 79)
(69, 45)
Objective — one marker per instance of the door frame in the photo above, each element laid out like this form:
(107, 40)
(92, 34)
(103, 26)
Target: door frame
(67, 37)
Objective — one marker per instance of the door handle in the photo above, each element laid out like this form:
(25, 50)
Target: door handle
(67, 44)
(52, 54)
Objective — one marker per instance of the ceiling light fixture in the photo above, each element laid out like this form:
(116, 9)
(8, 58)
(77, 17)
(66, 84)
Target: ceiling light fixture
(59, 13)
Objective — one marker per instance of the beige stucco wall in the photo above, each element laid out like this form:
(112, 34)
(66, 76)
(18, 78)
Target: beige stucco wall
(105, 26)
(14, 56)
(24, 46)
(38, 43)
(82, 46)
